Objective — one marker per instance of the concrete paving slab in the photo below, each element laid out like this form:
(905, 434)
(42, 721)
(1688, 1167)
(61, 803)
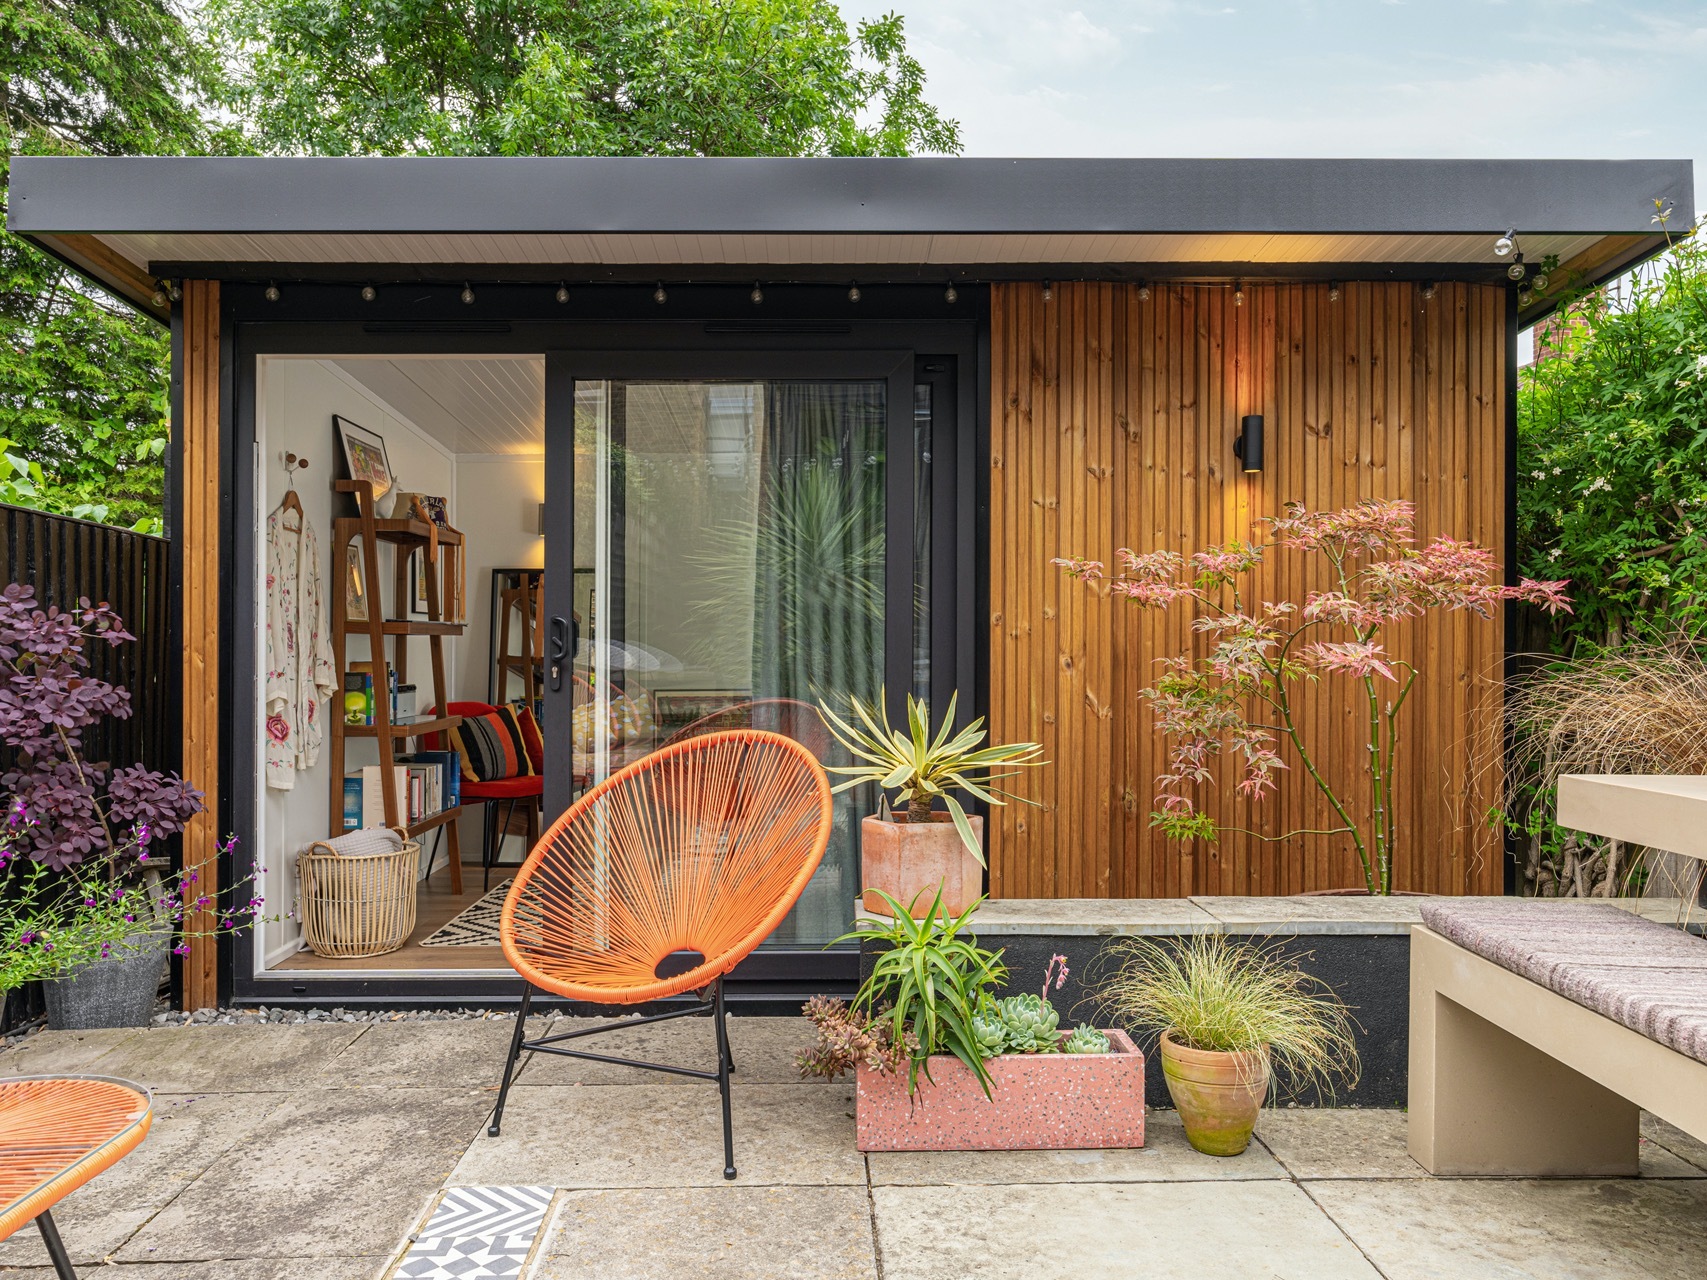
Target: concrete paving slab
(664, 1136)
(715, 1233)
(1372, 1143)
(1359, 914)
(1097, 1231)
(1498, 1229)
(329, 1173)
(1093, 916)
(364, 1268)
(1675, 1140)
(1165, 1157)
(229, 1059)
(436, 1055)
(64, 1052)
(189, 1134)
(764, 1052)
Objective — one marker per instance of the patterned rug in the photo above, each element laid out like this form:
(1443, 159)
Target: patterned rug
(475, 926)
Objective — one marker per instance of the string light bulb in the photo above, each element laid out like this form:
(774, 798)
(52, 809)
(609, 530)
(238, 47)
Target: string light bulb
(659, 296)
(757, 296)
(1516, 271)
(562, 293)
(951, 295)
(159, 299)
(1427, 290)
(272, 292)
(369, 293)
(1238, 293)
(853, 293)
(1048, 291)
(1539, 283)
(1143, 291)
(467, 296)
(1504, 246)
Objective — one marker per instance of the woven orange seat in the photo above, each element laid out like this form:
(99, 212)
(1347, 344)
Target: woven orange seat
(56, 1133)
(662, 879)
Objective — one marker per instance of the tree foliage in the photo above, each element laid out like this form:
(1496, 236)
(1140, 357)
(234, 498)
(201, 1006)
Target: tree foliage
(1612, 455)
(82, 376)
(573, 77)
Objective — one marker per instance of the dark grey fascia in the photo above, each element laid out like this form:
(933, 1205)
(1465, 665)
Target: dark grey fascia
(145, 195)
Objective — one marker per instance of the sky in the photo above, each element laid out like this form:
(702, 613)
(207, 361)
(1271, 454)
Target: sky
(1525, 78)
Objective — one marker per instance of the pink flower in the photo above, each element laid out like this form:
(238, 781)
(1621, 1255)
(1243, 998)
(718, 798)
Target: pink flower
(278, 728)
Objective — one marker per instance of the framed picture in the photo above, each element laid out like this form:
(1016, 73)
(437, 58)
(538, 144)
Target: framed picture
(364, 455)
(355, 590)
(422, 506)
(418, 581)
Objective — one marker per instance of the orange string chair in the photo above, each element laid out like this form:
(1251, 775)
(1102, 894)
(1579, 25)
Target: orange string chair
(659, 881)
(56, 1133)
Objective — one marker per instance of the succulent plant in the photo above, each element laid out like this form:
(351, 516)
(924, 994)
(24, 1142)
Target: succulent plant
(989, 1032)
(1086, 1039)
(1030, 1021)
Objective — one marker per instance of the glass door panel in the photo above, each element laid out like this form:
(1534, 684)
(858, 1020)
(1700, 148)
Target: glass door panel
(736, 537)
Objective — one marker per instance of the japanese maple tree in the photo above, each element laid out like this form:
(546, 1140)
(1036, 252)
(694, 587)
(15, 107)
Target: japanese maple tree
(1239, 697)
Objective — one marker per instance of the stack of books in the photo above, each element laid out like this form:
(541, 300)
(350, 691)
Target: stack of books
(428, 783)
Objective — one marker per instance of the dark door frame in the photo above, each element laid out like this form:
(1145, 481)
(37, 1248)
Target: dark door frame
(787, 976)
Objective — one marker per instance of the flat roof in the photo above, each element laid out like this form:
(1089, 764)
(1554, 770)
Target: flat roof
(127, 219)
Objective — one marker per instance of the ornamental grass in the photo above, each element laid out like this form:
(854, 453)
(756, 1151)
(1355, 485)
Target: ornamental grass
(1224, 996)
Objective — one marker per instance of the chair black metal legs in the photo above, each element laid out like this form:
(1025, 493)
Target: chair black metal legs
(516, 1042)
(724, 1067)
(55, 1246)
(715, 1006)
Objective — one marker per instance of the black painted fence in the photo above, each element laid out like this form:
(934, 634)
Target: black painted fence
(68, 560)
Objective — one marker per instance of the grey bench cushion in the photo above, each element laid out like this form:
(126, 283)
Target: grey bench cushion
(1645, 975)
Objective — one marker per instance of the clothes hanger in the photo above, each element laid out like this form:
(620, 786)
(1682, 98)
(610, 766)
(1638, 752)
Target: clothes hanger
(292, 464)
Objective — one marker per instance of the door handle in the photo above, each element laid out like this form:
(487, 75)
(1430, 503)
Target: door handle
(559, 651)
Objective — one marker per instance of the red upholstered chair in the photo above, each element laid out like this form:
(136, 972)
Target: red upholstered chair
(528, 791)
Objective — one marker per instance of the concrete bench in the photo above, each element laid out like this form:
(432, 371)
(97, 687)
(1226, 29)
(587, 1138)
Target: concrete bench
(1541, 1031)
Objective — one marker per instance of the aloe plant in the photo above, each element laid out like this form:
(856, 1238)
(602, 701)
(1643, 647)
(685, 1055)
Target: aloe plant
(930, 979)
(920, 769)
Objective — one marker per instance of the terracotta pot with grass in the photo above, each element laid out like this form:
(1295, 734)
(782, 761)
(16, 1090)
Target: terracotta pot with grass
(1228, 1014)
(919, 851)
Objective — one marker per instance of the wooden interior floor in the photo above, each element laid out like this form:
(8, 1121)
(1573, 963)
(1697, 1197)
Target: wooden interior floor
(434, 905)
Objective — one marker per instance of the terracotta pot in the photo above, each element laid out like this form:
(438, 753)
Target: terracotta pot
(1218, 1094)
(905, 859)
(1037, 1102)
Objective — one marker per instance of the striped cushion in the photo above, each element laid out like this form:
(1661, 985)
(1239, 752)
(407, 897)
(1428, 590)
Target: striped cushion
(1649, 977)
(531, 738)
(492, 747)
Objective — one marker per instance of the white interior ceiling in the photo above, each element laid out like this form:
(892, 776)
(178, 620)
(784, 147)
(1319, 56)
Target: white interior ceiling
(664, 250)
(486, 405)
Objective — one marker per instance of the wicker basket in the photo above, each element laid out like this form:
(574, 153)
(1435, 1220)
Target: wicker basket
(356, 894)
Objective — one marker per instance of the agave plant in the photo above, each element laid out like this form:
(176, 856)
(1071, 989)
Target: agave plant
(932, 981)
(920, 769)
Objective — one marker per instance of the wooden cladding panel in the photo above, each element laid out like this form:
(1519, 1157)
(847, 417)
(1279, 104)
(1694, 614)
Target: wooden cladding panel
(1113, 420)
(199, 530)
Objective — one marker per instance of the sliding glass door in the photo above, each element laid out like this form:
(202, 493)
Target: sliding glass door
(745, 537)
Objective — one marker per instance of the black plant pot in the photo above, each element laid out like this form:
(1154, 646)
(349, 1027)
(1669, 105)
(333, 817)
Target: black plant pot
(119, 992)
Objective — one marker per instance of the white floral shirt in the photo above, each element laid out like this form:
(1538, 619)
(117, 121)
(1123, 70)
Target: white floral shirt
(299, 650)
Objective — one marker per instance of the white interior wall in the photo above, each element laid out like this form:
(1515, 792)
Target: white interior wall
(499, 496)
(296, 399)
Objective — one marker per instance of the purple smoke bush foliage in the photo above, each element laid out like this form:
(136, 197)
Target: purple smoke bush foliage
(47, 699)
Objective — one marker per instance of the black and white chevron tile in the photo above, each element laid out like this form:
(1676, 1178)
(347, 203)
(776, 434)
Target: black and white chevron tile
(477, 1233)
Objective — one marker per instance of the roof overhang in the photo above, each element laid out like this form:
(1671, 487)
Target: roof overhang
(130, 221)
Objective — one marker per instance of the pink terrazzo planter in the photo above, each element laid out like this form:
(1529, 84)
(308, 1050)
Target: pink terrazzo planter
(1039, 1102)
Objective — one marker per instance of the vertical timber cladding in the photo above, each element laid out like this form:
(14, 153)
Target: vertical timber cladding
(199, 534)
(1112, 426)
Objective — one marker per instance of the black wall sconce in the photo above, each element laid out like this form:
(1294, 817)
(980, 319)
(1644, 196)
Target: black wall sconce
(1247, 445)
